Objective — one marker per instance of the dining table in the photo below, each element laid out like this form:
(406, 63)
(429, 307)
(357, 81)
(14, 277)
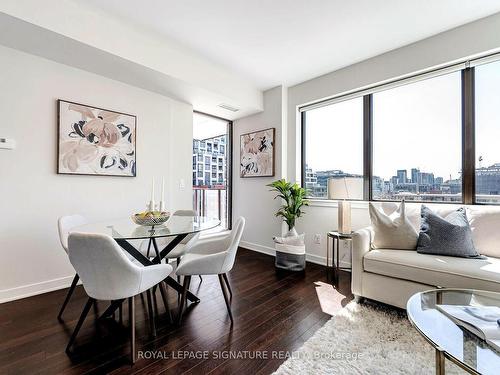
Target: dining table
(130, 236)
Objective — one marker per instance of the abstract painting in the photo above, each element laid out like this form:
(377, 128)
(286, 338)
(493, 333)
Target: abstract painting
(257, 154)
(95, 141)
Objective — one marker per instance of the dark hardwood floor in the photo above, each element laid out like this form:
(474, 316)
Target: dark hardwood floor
(274, 312)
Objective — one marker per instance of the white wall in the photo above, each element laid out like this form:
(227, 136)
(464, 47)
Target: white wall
(466, 41)
(251, 197)
(33, 196)
(101, 37)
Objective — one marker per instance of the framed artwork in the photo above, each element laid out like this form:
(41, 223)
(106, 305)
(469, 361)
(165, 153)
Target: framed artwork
(95, 141)
(257, 153)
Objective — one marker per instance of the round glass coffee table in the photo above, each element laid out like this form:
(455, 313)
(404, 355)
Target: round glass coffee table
(451, 341)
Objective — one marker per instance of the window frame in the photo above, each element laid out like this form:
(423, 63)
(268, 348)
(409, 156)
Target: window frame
(467, 135)
(228, 170)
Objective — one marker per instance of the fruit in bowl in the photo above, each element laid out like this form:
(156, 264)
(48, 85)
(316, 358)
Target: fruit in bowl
(150, 218)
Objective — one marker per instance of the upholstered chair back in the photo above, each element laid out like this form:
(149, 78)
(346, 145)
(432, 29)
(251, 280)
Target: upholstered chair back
(65, 224)
(233, 243)
(105, 270)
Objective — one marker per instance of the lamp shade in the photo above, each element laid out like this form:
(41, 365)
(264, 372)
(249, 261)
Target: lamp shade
(345, 188)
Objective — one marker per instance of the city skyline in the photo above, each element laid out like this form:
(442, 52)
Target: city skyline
(411, 184)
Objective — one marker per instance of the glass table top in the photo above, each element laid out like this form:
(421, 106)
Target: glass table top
(126, 229)
(442, 332)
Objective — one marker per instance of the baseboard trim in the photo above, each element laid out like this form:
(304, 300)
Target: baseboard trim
(270, 251)
(259, 248)
(29, 290)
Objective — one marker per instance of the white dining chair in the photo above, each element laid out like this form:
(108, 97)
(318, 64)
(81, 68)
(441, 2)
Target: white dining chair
(108, 274)
(211, 256)
(64, 225)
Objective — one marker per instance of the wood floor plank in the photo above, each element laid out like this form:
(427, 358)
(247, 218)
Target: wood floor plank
(273, 311)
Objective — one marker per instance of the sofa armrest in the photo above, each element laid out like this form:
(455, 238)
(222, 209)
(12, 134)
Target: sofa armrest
(361, 242)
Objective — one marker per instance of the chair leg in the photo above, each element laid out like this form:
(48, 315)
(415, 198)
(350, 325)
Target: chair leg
(177, 266)
(165, 301)
(120, 314)
(226, 298)
(228, 285)
(85, 311)
(150, 312)
(111, 309)
(187, 280)
(131, 317)
(68, 296)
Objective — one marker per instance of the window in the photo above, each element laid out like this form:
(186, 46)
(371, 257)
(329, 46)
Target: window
(212, 191)
(487, 158)
(430, 137)
(334, 148)
(417, 141)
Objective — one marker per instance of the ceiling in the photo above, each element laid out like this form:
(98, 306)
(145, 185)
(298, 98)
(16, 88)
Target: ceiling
(290, 41)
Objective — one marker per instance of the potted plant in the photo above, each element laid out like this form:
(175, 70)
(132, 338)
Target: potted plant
(290, 249)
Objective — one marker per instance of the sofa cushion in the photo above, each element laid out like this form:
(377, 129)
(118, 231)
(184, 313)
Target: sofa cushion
(392, 231)
(413, 210)
(437, 270)
(485, 225)
(450, 235)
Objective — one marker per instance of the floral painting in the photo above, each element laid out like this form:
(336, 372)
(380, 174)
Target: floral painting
(257, 154)
(95, 141)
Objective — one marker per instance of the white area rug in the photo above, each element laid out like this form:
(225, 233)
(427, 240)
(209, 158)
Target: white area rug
(365, 339)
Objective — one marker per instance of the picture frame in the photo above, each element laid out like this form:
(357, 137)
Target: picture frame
(94, 141)
(257, 153)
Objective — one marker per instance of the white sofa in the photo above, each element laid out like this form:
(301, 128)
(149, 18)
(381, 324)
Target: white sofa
(393, 276)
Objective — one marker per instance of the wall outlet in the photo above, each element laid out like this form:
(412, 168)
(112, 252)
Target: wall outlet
(317, 238)
(182, 184)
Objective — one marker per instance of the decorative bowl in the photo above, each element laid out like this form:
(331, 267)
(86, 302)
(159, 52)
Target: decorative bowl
(150, 220)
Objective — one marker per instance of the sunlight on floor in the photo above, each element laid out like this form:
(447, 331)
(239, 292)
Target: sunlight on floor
(329, 298)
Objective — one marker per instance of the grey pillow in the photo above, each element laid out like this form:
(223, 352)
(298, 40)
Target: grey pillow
(449, 236)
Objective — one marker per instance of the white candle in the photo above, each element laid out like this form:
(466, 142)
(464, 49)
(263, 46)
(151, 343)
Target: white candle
(163, 189)
(153, 190)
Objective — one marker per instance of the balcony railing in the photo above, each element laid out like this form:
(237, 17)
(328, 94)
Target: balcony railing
(211, 202)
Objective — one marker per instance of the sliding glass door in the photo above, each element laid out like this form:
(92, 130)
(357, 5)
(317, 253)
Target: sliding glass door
(212, 167)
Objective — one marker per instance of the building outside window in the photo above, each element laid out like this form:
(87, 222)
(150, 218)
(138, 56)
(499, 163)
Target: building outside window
(210, 196)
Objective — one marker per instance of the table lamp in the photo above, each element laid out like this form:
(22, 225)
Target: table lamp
(338, 189)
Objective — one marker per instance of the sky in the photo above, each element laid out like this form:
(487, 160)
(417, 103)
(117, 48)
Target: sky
(414, 126)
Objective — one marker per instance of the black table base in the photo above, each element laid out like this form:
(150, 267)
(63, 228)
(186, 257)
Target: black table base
(127, 246)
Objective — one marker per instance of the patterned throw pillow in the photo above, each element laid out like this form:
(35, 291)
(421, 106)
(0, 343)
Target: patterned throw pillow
(450, 235)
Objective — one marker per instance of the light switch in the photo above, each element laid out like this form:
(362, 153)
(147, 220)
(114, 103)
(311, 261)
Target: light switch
(8, 144)
(182, 183)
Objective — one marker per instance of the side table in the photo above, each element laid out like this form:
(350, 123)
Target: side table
(336, 237)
